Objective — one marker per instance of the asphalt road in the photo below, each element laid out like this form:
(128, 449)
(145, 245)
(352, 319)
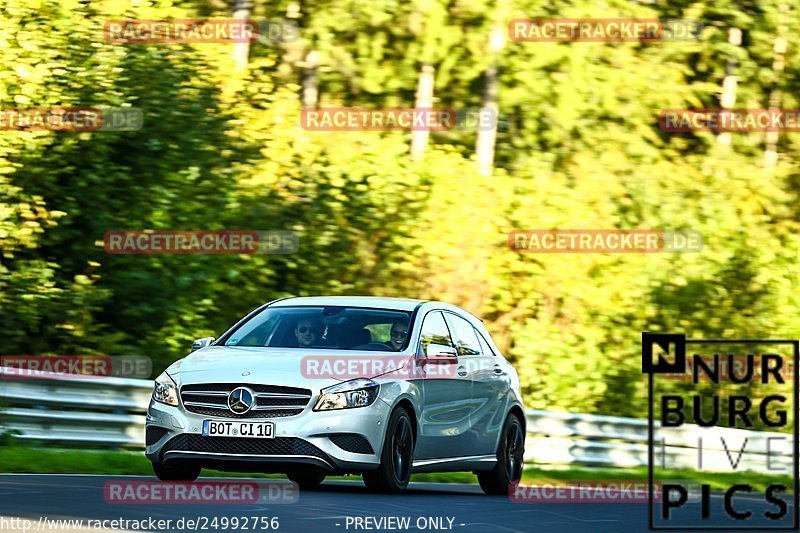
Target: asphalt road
(336, 506)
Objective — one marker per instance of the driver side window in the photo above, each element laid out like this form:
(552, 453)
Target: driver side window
(434, 331)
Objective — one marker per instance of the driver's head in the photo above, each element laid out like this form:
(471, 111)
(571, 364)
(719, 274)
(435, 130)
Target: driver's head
(307, 331)
(398, 333)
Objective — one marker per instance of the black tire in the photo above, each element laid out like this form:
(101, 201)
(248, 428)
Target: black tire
(510, 452)
(307, 481)
(176, 472)
(397, 455)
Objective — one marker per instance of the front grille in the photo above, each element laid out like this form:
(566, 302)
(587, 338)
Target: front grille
(187, 442)
(272, 401)
(227, 387)
(219, 413)
(153, 435)
(352, 442)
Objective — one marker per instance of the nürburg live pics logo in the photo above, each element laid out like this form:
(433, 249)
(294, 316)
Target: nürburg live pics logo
(735, 420)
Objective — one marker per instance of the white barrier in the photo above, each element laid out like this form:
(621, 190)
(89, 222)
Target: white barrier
(569, 438)
(74, 410)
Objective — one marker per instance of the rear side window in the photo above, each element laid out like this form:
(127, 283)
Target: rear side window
(434, 331)
(485, 348)
(465, 336)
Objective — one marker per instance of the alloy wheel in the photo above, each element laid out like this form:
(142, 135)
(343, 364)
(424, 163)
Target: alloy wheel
(514, 451)
(402, 452)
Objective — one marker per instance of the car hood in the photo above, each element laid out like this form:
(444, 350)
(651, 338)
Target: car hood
(287, 367)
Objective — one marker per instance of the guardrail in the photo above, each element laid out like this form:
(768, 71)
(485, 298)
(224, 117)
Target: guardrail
(571, 438)
(90, 411)
(73, 409)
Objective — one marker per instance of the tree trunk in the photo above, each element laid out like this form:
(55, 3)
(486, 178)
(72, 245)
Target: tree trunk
(308, 79)
(424, 99)
(242, 9)
(778, 63)
(729, 83)
(484, 145)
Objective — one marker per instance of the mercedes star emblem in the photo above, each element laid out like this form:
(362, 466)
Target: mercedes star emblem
(241, 400)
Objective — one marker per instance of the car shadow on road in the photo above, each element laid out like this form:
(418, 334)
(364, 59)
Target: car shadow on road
(450, 489)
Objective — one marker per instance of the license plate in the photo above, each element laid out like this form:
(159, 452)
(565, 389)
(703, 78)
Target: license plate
(226, 428)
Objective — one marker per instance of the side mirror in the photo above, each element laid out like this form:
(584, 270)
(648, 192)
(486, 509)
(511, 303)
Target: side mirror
(202, 343)
(439, 354)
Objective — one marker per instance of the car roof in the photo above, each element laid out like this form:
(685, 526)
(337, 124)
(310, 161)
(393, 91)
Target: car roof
(400, 304)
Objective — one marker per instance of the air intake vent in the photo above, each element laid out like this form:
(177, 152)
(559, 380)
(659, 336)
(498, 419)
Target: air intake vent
(352, 442)
(187, 442)
(153, 435)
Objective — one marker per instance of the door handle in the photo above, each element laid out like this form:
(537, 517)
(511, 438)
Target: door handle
(498, 369)
(462, 371)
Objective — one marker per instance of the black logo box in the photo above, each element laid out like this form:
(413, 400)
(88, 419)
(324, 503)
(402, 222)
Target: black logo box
(678, 366)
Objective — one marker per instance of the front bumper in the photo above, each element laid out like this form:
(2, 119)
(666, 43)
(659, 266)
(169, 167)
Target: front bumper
(310, 439)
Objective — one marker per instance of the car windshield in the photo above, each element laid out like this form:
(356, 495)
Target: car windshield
(325, 327)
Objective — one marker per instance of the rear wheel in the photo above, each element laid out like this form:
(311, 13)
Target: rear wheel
(176, 472)
(397, 455)
(509, 460)
(307, 481)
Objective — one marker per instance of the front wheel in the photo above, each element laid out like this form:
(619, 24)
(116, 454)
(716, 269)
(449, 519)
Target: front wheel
(509, 460)
(178, 472)
(397, 455)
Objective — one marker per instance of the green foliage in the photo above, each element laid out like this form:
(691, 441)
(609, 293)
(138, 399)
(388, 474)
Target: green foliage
(580, 148)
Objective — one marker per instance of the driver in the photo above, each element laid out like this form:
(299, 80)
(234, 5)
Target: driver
(397, 336)
(307, 332)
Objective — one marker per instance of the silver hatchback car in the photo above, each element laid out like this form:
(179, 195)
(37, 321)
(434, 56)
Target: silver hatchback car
(311, 387)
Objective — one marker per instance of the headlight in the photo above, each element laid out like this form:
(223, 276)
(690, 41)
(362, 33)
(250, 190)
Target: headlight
(165, 390)
(354, 393)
